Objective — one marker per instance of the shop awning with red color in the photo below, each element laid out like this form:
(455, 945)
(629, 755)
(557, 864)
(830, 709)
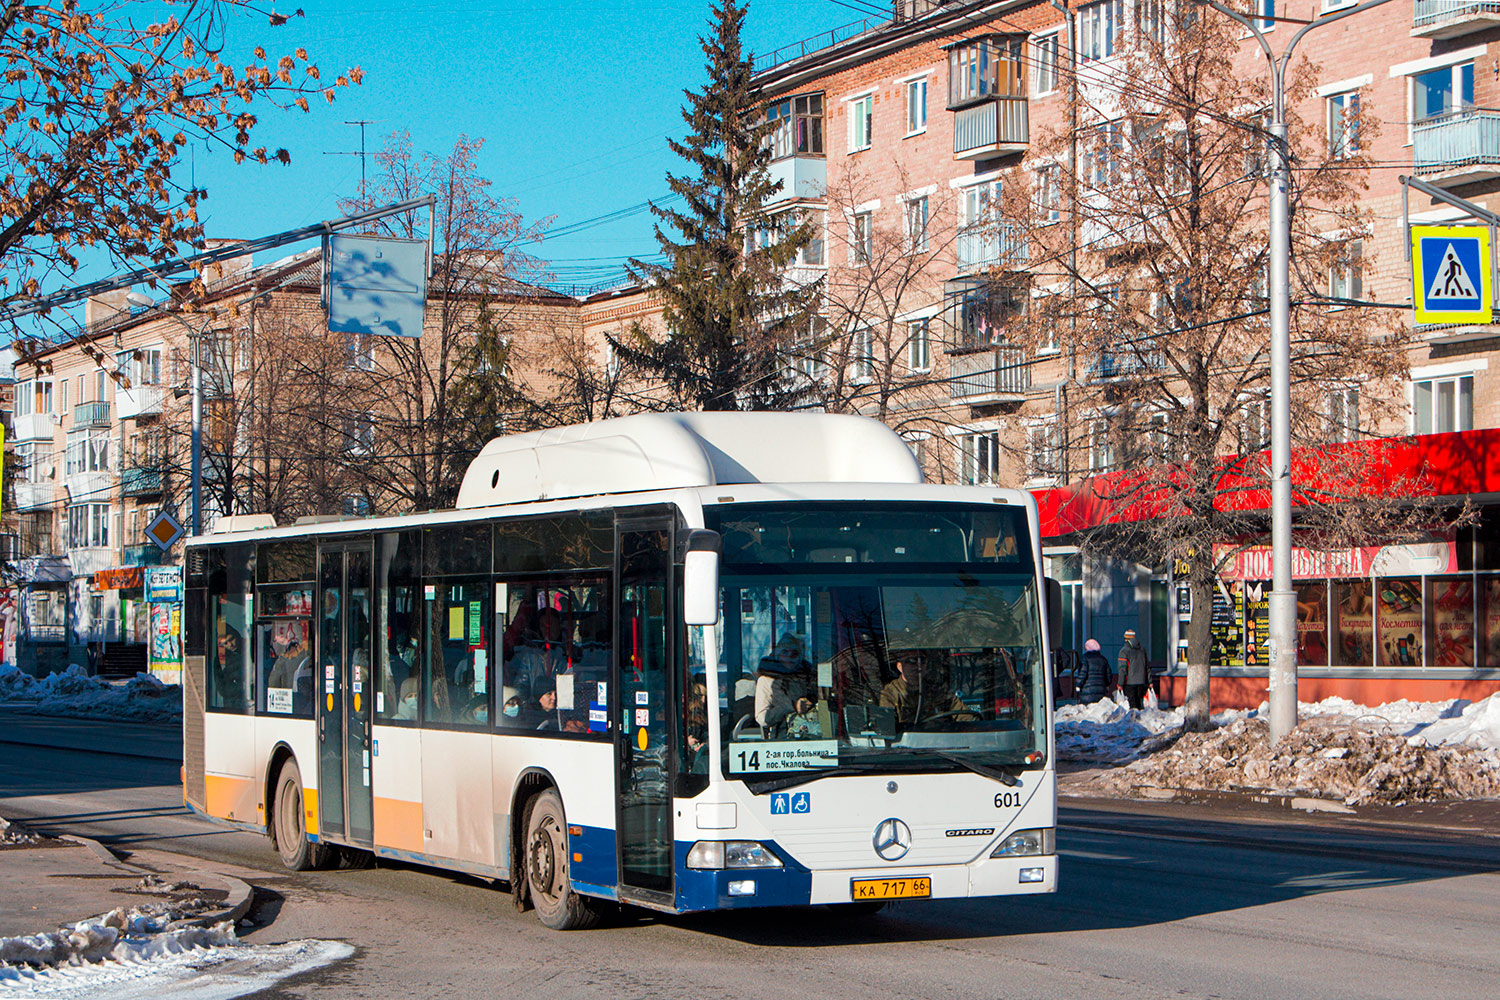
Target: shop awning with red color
(1458, 464)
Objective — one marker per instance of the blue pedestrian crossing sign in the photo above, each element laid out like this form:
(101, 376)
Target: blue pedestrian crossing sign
(1451, 277)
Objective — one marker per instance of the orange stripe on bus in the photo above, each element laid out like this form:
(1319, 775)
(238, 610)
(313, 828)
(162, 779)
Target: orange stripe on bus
(398, 824)
(310, 810)
(229, 798)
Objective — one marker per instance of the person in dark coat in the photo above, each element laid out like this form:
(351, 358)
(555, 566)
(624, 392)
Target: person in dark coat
(1134, 677)
(1094, 678)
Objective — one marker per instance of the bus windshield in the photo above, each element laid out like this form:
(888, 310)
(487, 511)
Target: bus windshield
(889, 638)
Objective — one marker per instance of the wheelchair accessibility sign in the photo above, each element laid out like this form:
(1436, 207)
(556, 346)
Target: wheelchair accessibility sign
(1451, 274)
(788, 803)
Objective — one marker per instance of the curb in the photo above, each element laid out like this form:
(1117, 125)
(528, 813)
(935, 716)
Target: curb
(238, 894)
(1199, 796)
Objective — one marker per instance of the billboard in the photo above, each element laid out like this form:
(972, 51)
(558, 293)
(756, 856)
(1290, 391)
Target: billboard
(375, 285)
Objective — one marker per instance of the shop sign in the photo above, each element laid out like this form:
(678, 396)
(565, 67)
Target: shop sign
(1413, 558)
(164, 583)
(118, 578)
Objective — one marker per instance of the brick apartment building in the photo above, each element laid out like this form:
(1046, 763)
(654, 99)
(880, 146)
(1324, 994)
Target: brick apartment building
(919, 130)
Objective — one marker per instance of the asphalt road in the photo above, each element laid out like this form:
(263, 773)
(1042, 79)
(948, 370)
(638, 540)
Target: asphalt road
(1165, 902)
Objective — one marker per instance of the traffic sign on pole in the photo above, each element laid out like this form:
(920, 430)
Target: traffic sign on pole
(1452, 281)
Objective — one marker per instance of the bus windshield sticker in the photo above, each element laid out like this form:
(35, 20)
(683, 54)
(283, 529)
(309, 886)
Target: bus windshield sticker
(643, 697)
(756, 757)
(565, 692)
(279, 700)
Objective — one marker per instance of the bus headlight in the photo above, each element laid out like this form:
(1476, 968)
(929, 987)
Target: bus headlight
(714, 854)
(1027, 843)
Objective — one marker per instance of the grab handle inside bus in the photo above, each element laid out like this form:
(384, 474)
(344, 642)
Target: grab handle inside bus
(1054, 613)
(700, 578)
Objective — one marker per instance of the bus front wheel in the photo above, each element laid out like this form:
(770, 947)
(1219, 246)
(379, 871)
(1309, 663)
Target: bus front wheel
(297, 852)
(546, 866)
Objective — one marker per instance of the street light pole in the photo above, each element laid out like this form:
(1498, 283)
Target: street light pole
(196, 348)
(1283, 600)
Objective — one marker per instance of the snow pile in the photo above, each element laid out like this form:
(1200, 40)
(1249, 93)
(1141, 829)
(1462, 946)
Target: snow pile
(12, 835)
(73, 692)
(123, 935)
(1392, 754)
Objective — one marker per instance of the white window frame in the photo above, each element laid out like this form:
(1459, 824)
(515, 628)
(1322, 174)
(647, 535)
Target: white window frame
(1101, 29)
(1435, 382)
(861, 235)
(1103, 455)
(861, 123)
(1341, 414)
(1346, 274)
(1042, 436)
(1343, 142)
(1329, 6)
(25, 398)
(1254, 414)
(978, 456)
(862, 355)
(1048, 186)
(916, 91)
(916, 213)
(919, 344)
(1045, 49)
(1263, 13)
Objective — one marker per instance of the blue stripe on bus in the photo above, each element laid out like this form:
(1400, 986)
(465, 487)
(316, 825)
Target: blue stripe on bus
(593, 866)
(698, 889)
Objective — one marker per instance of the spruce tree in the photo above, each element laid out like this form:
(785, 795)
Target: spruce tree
(729, 306)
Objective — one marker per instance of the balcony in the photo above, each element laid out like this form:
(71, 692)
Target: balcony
(141, 481)
(1452, 18)
(997, 244)
(138, 401)
(995, 128)
(30, 496)
(803, 178)
(998, 374)
(34, 427)
(1457, 149)
(91, 415)
(1108, 365)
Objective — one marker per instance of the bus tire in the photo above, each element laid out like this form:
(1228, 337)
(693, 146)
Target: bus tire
(297, 852)
(546, 864)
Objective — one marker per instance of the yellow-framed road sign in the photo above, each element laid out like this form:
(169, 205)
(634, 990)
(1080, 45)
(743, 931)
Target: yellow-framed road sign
(1452, 278)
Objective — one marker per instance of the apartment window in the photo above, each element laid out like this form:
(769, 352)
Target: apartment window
(982, 239)
(1049, 194)
(25, 398)
(1342, 415)
(1101, 445)
(1265, 11)
(812, 253)
(862, 237)
(1041, 449)
(1257, 145)
(807, 348)
(861, 118)
(1044, 63)
(1343, 125)
(88, 451)
(1158, 438)
(1151, 20)
(862, 355)
(1104, 153)
(355, 506)
(62, 395)
(979, 458)
(919, 345)
(1440, 405)
(916, 106)
(44, 397)
(359, 434)
(986, 68)
(359, 352)
(1344, 278)
(141, 367)
(1442, 93)
(1329, 6)
(36, 536)
(88, 525)
(1099, 27)
(28, 461)
(916, 225)
(1255, 423)
(797, 128)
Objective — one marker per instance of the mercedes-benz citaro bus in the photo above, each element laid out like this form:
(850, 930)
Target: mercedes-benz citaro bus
(520, 688)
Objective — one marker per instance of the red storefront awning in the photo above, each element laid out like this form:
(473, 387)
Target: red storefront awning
(1430, 465)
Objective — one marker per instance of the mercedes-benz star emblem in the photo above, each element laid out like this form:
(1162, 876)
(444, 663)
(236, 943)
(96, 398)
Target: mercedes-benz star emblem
(892, 839)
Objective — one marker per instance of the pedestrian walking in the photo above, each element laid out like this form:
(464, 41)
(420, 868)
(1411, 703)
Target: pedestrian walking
(1132, 670)
(1094, 678)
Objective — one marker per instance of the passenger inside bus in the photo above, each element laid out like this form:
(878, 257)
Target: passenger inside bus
(406, 709)
(784, 689)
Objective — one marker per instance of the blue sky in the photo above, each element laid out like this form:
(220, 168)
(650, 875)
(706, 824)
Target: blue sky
(575, 102)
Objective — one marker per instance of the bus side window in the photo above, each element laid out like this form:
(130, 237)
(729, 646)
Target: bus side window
(230, 675)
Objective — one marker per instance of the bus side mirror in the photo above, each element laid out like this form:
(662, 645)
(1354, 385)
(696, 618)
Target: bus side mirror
(1054, 613)
(700, 578)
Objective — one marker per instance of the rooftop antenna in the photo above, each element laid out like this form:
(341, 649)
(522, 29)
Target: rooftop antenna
(361, 154)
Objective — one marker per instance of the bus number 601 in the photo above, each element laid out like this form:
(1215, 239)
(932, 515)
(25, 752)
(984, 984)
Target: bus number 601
(1004, 800)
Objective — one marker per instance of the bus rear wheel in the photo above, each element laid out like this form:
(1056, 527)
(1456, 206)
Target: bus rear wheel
(546, 865)
(297, 852)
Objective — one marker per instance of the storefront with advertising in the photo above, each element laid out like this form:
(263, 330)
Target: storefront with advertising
(1417, 619)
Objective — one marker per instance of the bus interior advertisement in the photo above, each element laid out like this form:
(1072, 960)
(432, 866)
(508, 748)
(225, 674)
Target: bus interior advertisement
(858, 639)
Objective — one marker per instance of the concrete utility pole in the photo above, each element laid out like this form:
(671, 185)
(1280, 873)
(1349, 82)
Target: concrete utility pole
(1283, 602)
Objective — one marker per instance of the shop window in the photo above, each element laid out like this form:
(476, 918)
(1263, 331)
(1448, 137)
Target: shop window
(1450, 621)
(556, 644)
(1312, 624)
(1398, 622)
(1354, 632)
(1489, 622)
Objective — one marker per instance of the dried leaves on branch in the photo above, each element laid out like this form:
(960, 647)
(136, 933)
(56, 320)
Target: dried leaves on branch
(100, 100)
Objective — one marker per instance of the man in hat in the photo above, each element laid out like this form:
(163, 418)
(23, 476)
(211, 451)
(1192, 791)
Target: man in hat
(1132, 670)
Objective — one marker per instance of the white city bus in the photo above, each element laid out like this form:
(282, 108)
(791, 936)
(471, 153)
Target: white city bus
(519, 688)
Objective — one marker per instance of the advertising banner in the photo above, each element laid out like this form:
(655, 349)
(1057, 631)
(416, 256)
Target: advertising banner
(163, 585)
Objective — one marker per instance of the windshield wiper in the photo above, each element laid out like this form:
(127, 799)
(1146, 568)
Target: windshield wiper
(1008, 778)
(803, 777)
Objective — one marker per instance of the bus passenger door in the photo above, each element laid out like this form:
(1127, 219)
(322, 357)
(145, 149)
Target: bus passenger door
(644, 819)
(345, 803)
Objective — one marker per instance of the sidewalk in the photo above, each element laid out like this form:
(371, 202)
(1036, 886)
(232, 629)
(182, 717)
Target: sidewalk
(52, 882)
(22, 724)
